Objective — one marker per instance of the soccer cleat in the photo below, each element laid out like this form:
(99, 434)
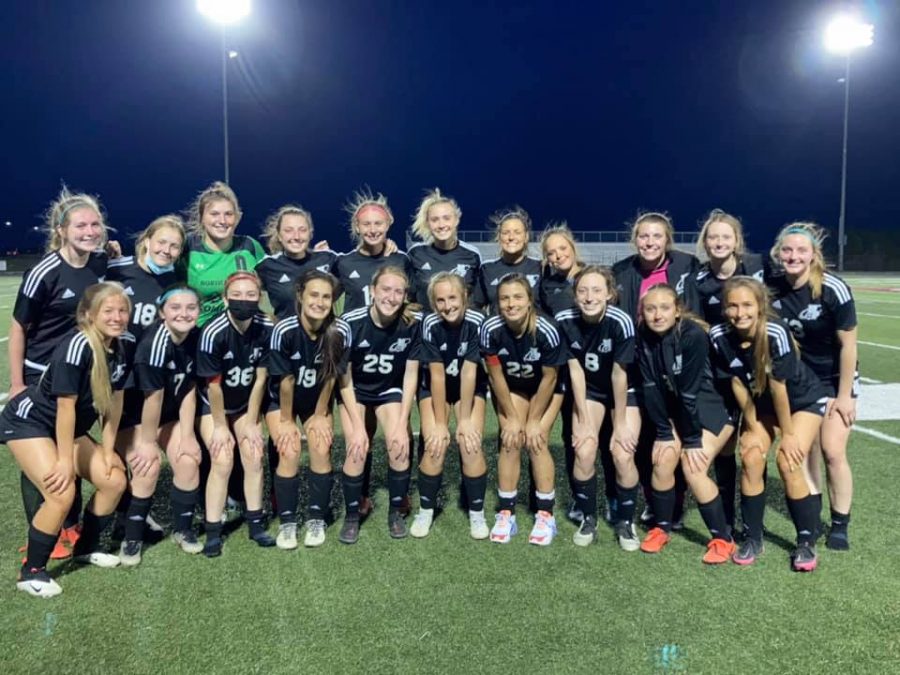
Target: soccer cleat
(421, 525)
(749, 550)
(188, 541)
(287, 536)
(98, 559)
(587, 532)
(719, 551)
(35, 581)
(397, 525)
(350, 529)
(263, 539)
(366, 506)
(70, 535)
(213, 547)
(478, 528)
(838, 540)
(655, 541)
(130, 553)
(627, 536)
(315, 533)
(573, 513)
(544, 529)
(504, 527)
(804, 558)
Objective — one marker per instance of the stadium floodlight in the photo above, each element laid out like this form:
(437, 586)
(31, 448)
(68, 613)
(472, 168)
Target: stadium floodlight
(843, 35)
(224, 12)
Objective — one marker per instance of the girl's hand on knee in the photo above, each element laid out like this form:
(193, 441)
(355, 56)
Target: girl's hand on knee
(663, 451)
(512, 433)
(845, 407)
(697, 460)
(220, 441)
(625, 437)
(145, 455)
(790, 446)
(467, 437)
(58, 479)
(190, 448)
(535, 438)
(320, 428)
(287, 439)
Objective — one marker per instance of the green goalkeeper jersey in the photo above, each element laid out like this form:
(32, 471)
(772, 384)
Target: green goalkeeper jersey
(207, 270)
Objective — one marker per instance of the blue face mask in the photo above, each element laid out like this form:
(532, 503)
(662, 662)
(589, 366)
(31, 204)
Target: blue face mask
(156, 269)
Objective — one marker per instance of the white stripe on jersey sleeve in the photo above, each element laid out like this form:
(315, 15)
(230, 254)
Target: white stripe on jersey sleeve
(158, 348)
(128, 336)
(124, 261)
(567, 314)
(549, 331)
(470, 248)
(487, 328)
(428, 324)
(76, 349)
(33, 280)
(355, 315)
(280, 329)
(475, 317)
(841, 290)
(778, 333)
(624, 320)
(210, 331)
(344, 328)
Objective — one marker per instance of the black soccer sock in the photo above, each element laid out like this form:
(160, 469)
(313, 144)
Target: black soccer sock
(398, 487)
(664, 507)
(136, 517)
(803, 513)
(839, 521)
(476, 487)
(256, 522)
(75, 511)
(124, 502)
(506, 501)
(91, 529)
(429, 486)
(31, 497)
(236, 479)
(352, 487)
(627, 498)
(817, 505)
(586, 495)
(367, 477)
(713, 515)
(607, 462)
(183, 504)
(545, 500)
(752, 511)
(319, 495)
(287, 494)
(213, 530)
(838, 538)
(680, 493)
(40, 546)
(726, 479)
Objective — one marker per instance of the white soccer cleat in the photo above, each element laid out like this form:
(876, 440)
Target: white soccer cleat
(505, 527)
(37, 583)
(98, 559)
(315, 533)
(421, 525)
(478, 525)
(544, 529)
(287, 536)
(187, 541)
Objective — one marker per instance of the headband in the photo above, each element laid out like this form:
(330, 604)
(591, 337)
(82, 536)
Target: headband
(76, 204)
(372, 205)
(161, 300)
(796, 229)
(238, 276)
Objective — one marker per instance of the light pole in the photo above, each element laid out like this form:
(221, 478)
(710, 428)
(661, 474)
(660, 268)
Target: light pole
(843, 35)
(225, 13)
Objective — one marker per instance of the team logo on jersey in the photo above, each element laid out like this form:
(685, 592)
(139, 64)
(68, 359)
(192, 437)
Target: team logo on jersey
(533, 279)
(460, 270)
(319, 358)
(606, 346)
(532, 355)
(228, 355)
(426, 266)
(189, 367)
(256, 355)
(118, 373)
(713, 300)
(400, 345)
(68, 293)
(354, 275)
(284, 279)
(503, 352)
(129, 290)
(463, 348)
(676, 367)
(679, 287)
(364, 344)
(811, 313)
(758, 275)
(324, 268)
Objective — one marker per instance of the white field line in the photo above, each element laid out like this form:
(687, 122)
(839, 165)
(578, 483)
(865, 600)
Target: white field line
(870, 301)
(4, 339)
(878, 344)
(877, 434)
(869, 380)
(880, 316)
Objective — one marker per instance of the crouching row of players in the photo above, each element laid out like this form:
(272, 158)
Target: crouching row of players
(241, 368)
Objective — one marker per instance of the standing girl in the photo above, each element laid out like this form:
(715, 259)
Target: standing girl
(512, 231)
(523, 354)
(46, 428)
(560, 265)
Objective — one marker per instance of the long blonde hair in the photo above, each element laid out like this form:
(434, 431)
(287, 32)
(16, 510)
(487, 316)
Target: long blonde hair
(56, 217)
(85, 316)
(142, 245)
(816, 236)
(420, 223)
(273, 223)
(561, 229)
(218, 191)
(720, 216)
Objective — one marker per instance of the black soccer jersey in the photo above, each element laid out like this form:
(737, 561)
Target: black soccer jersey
(293, 352)
(492, 271)
(68, 373)
(451, 346)
(142, 288)
(427, 260)
(235, 356)
(279, 272)
(596, 346)
(47, 300)
(803, 388)
(556, 292)
(815, 322)
(378, 355)
(160, 363)
(522, 357)
(678, 384)
(356, 271)
(709, 286)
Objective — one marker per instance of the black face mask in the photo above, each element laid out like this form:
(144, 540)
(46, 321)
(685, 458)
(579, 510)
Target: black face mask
(242, 310)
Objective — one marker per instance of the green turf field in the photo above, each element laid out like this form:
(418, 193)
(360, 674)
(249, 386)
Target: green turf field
(450, 604)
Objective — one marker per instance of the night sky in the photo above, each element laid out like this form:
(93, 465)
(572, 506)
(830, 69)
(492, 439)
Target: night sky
(583, 111)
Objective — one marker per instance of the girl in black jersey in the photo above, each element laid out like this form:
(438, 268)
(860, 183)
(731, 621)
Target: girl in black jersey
(437, 225)
(777, 394)
(512, 231)
(289, 233)
(159, 417)
(821, 313)
(384, 361)
(231, 366)
(722, 241)
(453, 378)
(523, 354)
(150, 271)
(561, 262)
(691, 421)
(46, 428)
(599, 339)
(44, 312)
(308, 355)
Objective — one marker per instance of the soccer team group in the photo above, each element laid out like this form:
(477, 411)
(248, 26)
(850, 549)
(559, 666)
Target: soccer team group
(662, 367)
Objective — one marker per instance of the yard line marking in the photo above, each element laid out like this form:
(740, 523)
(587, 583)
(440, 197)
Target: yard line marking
(877, 434)
(881, 316)
(878, 344)
(4, 339)
(869, 380)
